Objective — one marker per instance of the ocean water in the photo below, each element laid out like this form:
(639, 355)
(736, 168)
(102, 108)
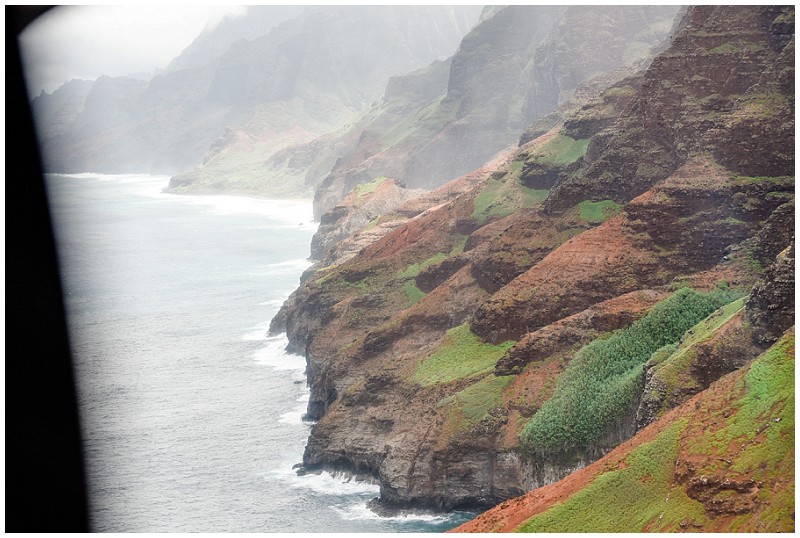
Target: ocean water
(191, 416)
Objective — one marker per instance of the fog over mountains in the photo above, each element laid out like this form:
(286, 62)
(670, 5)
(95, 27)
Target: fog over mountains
(294, 101)
(286, 82)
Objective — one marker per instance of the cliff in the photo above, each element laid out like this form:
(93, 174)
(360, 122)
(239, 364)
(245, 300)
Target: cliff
(517, 64)
(525, 327)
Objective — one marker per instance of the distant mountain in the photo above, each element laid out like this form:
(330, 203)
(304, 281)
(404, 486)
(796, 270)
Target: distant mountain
(299, 79)
(213, 43)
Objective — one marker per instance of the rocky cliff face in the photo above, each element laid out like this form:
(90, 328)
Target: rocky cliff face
(440, 353)
(518, 64)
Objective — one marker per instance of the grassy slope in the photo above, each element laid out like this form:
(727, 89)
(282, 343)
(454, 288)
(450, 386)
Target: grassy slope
(740, 429)
(672, 363)
(462, 356)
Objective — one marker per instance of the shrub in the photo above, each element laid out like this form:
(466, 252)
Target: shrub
(604, 379)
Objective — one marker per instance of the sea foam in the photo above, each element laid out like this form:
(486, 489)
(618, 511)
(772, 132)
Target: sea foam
(360, 511)
(274, 354)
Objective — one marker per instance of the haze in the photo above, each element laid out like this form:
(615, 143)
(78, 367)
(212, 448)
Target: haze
(85, 42)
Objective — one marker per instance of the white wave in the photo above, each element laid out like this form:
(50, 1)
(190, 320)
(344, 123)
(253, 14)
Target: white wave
(293, 417)
(275, 302)
(360, 511)
(330, 484)
(256, 335)
(274, 354)
(290, 213)
(120, 178)
(289, 266)
(324, 482)
(293, 212)
(301, 263)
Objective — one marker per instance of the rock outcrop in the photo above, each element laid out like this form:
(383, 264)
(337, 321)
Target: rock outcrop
(770, 308)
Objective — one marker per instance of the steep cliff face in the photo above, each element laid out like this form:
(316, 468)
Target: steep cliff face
(358, 210)
(446, 358)
(518, 64)
(729, 95)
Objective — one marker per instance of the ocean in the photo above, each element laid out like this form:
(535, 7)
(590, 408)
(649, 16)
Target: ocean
(191, 415)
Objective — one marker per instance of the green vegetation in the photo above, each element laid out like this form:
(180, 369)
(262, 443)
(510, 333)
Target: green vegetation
(638, 493)
(725, 48)
(334, 279)
(767, 406)
(458, 248)
(326, 272)
(598, 212)
(473, 404)
(560, 149)
(672, 362)
(413, 270)
(371, 224)
(500, 198)
(368, 188)
(412, 292)
(765, 105)
(746, 432)
(462, 355)
(604, 379)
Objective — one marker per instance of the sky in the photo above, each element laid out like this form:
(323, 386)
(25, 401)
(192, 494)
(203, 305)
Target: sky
(86, 42)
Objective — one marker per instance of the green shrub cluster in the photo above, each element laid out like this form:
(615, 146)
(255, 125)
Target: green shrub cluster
(462, 355)
(604, 379)
(643, 491)
(671, 364)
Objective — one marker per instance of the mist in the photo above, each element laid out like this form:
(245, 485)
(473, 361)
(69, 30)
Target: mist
(85, 42)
